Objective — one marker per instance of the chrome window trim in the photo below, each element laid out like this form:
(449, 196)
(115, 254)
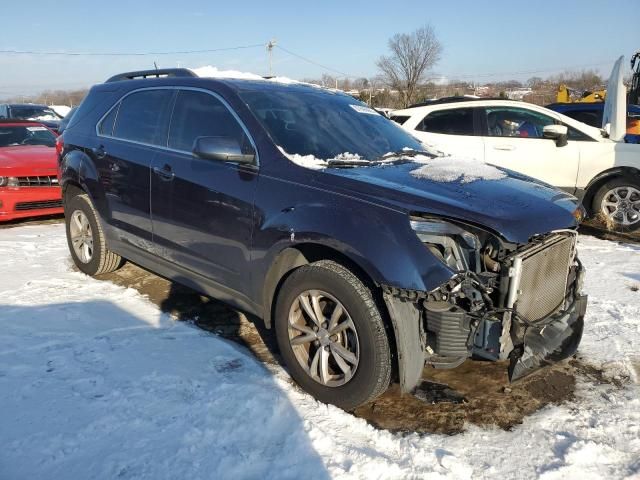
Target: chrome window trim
(166, 147)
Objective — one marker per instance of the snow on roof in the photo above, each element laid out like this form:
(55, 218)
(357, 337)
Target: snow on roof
(210, 71)
(61, 110)
(453, 169)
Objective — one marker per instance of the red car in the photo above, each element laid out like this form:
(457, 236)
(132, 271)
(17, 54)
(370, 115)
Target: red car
(28, 171)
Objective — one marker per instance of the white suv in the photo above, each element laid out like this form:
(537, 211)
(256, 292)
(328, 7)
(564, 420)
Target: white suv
(540, 143)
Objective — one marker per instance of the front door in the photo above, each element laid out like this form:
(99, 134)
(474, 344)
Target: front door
(202, 210)
(515, 140)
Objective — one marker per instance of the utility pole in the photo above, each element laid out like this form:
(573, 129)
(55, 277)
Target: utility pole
(270, 45)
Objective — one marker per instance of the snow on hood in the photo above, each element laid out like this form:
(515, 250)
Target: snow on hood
(456, 169)
(614, 117)
(314, 163)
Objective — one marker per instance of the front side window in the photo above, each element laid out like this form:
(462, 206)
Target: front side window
(198, 114)
(455, 121)
(516, 122)
(142, 116)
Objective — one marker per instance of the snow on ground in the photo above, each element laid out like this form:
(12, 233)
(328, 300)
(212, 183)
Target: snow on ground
(96, 382)
(452, 169)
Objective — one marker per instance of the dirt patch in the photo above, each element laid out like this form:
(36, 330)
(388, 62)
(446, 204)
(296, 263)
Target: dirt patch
(488, 399)
(476, 392)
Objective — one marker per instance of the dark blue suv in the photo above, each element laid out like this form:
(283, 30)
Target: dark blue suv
(371, 256)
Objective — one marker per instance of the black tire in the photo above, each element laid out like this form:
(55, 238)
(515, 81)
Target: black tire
(614, 224)
(102, 259)
(373, 372)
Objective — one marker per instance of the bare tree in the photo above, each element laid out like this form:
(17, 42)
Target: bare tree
(412, 55)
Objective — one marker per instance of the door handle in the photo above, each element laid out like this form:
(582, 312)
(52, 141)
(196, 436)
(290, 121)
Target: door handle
(99, 152)
(165, 173)
(504, 147)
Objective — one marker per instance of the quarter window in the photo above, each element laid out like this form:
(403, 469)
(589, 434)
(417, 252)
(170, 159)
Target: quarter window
(198, 114)
(455, 121)
(142, 116)
(106, 125)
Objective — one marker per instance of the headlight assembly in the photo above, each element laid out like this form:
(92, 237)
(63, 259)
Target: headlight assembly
(447, 241)
(9, 182)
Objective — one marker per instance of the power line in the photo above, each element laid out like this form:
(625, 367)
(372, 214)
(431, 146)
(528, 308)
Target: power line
(127, 54)
(308, 60)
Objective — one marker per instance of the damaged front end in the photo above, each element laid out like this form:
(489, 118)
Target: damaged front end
(504, 301)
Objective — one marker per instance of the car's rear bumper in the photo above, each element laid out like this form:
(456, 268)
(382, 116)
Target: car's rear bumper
(26, 202)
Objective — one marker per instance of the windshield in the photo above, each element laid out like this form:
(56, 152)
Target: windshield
(326, 125)
(33, 112)
(11, 136)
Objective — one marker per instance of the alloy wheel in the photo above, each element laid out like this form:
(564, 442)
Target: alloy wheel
(81, 236)
(621, 205)
(323, 338)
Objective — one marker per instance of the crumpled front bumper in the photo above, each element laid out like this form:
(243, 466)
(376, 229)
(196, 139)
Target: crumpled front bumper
(551, 342)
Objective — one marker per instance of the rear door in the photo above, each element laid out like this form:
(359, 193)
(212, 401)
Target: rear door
(129, 136)
(514, 139)
(202, 209)
(452, 131)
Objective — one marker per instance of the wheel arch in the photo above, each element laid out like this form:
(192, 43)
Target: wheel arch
(301, 254)
(600, 179)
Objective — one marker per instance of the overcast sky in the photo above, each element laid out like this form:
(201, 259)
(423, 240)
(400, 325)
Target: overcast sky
(482, 41)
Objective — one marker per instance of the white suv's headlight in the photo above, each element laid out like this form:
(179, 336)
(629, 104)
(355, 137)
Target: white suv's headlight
(9, 182)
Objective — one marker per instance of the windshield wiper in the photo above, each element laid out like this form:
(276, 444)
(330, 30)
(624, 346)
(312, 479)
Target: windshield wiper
(405, 153)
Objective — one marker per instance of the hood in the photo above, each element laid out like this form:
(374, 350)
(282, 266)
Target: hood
(515, 207)
(28, 160)
(614, 117)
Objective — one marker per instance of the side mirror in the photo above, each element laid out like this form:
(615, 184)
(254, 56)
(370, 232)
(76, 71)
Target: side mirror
(559, 133)
(226, 149)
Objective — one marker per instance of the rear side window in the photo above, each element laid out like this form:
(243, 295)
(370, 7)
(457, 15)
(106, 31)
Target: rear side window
(456, 121)
(198, 114)
(142, 116)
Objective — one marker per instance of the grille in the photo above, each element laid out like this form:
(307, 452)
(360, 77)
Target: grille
(543, 282)
(40, 181)
(38, 205)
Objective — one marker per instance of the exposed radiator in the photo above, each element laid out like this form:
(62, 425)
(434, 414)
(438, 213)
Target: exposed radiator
(543, 274)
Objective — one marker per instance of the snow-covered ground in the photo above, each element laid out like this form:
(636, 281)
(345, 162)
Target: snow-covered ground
(96, 382)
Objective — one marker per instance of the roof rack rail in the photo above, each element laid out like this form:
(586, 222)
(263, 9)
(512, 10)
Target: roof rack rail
(157, 73)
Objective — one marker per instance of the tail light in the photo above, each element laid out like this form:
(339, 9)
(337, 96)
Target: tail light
(59, 145)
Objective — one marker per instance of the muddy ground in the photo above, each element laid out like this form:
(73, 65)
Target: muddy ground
(476, 392)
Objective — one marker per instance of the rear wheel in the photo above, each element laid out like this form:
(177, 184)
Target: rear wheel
(332, 336)
(617, 204)
(85, 238)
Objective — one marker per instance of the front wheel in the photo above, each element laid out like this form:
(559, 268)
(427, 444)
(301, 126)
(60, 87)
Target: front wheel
(86, 239)
(617, 204)
(332, 336)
